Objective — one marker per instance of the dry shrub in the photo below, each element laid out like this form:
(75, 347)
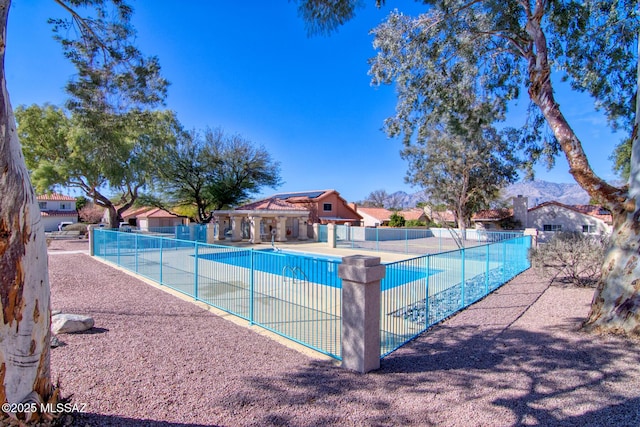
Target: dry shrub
(91, 214)
(571, 258)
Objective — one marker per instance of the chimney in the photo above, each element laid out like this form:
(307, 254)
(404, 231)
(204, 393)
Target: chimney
(520, 210)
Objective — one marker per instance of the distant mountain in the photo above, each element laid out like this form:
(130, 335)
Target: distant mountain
(537, 191)
(543, 191)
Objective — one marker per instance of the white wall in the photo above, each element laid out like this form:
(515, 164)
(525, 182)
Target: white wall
(568, 219)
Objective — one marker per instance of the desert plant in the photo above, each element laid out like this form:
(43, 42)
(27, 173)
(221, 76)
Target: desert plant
(571, 257)
(82, 228)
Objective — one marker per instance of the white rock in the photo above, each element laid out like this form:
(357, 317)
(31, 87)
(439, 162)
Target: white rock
(66, 323)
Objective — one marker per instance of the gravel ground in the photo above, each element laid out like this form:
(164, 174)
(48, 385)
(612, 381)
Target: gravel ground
(514, 358)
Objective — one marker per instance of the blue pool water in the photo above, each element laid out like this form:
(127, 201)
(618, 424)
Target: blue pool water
(315, 268)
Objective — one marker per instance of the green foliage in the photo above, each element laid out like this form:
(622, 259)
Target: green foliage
(213, 171)
(81, 202)
(415, 223)
(621, 158)
(396, 220)
(60, 150)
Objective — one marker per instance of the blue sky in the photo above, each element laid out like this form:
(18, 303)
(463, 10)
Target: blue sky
(250, 68)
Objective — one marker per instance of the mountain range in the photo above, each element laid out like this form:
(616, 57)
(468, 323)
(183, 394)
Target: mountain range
(537, 191)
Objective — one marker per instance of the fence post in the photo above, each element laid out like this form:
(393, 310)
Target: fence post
(486, 284)
(251, 287)
(361, 277)
(118, 246)
(462, 278)
(195, 272)
(161, 242)
(90, 233)
(135, 245)
(331, 235)
(504, 262)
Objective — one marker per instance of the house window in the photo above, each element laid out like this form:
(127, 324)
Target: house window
(63, 206)
(588, 228)
(42, 205)
(327, 207)
(552, 227)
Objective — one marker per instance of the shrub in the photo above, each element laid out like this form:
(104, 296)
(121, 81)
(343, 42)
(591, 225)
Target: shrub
(91, 214)
(82, 228)
(415, 223)
(396, 220)
(571, 257)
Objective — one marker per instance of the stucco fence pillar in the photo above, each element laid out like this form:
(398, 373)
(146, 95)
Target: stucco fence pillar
(331, 235)
(361, 277)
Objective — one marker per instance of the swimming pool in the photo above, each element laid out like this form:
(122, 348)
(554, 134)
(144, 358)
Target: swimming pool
(314, 268)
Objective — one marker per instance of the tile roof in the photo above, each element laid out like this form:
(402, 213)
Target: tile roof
(55, 197)
(492, 214)
(271, 204)
(412, 214)
(378, 213)
(158, 213)
(59, 213)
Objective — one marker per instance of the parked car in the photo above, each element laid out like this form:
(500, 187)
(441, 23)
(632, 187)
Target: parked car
(63, 224)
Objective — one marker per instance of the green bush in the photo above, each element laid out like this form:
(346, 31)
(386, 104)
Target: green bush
(571, 257)
(415, 223)
(396, 220)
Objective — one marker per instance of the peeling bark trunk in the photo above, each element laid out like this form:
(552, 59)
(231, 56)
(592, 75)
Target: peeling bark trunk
(616, 304)
(24, 283)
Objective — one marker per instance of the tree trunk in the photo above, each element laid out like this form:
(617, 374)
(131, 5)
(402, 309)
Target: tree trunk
(616, 303)
(24, 282)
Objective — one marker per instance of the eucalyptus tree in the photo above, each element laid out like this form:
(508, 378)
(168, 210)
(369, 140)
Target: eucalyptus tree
(212, 170)
(107, 49)
(530, 45)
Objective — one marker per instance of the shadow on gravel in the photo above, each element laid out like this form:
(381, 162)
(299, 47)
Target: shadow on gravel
(537, 377)
(98, 420)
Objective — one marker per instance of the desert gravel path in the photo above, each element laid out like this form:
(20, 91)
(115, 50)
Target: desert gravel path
(515, 358)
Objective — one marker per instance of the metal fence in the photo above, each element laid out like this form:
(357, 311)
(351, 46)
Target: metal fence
(422, 291)
(292, 295)
(300, 296)
(417, 241)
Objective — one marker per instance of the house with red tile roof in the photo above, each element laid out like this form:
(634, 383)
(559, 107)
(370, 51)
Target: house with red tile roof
(149, 217)
(373, 217)
(56, 209)
(547, 218)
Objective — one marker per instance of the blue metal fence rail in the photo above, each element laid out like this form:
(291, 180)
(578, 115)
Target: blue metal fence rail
(414, 240)
(295, 296)
(299, 296)
(422, 291)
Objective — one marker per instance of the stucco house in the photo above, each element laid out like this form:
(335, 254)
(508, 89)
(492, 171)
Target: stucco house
(55, 209)
(373, 217)
(324, 206)
(414, 214)
(548, 218)
(149, 217)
